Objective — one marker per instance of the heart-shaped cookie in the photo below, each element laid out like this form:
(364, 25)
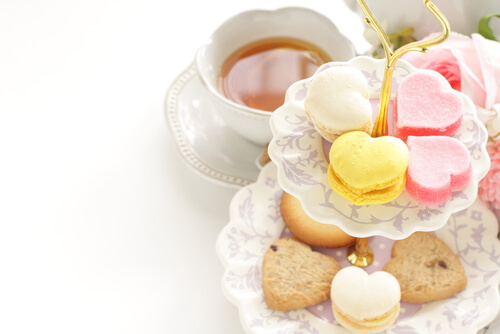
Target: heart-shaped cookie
(426, 268)
(437, 166)
(367, 170)
(337, 102)
(294, 276)
(365, 303)
(426, 105)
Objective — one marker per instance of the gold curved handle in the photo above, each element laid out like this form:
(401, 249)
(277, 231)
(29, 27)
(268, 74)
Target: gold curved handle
(380, 127)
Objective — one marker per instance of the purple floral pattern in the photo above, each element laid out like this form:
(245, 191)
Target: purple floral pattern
(255, 223)
(297, 149)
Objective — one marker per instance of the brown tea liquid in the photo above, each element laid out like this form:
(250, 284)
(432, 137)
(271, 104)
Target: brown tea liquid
(258, 74)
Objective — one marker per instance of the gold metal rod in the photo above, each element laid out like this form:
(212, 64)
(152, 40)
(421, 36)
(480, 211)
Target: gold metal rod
(372, 21)
(360, 254)
(381, 127)
(422, 46)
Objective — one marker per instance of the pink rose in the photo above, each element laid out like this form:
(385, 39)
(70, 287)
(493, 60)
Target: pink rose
(489, 187)
(471, 65)
(450, 70)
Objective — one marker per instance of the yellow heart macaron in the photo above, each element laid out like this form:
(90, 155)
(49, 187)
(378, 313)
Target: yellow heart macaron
(368, 170)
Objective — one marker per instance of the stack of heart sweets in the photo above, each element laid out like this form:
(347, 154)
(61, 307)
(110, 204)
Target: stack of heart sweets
(368, 170)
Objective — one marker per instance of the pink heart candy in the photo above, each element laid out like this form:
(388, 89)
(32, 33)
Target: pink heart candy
(437, 166)
(426, 105)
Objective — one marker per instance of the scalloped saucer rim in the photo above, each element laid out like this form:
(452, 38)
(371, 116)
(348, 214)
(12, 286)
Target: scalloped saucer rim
(203, 139)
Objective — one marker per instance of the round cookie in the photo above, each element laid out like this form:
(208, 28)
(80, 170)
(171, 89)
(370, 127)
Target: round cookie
(308, 230)
(264, 157)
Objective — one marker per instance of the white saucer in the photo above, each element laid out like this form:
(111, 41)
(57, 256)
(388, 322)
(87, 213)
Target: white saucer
(203, 139)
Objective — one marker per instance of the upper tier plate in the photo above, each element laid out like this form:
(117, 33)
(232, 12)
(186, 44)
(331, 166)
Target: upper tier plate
(298, 151)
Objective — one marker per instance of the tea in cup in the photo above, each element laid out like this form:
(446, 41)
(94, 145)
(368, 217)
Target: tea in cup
(252, 58)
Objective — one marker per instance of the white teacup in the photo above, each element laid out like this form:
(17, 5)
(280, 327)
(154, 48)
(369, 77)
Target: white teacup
(250, 26)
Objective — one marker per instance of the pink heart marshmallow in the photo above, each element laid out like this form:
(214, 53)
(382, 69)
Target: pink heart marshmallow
(426, 105)
(437, 166)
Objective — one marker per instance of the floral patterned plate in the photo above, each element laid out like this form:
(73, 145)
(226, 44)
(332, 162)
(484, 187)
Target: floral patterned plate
(255, 222)
(299, 152)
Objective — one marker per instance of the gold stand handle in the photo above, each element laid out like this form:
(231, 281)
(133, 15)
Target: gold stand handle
(380, 128)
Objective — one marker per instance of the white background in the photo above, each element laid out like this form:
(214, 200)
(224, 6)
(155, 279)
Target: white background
(103, 229)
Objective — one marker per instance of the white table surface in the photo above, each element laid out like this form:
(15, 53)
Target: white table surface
(103, 229)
